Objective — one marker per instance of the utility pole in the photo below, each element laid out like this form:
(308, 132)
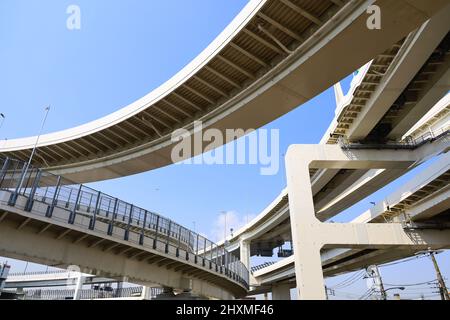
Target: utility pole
(442, 287)
(225, 226)
(79, 286)
(374, 272)
(380, 283)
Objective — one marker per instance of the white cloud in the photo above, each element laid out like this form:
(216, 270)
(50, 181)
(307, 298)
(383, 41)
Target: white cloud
(232, 219)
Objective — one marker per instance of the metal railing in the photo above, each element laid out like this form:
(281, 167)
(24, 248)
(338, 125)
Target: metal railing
(36, 273)
(262, 266)
(87, 294)
(145, 228)
(409, 142)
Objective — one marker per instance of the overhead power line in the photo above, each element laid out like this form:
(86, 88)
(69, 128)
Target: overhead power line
(349, 281)
(412, 284)
(400, 261)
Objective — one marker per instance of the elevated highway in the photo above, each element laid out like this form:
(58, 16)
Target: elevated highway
(48, 285)
(51, 279)
(263, 65)
(66, 224)
(419, 205)
(400, 85)
(436, 120)
(269, 56)
(272, 227)
(417, 68)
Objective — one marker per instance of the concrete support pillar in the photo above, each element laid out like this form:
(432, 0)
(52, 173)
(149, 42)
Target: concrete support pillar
(119, 289)
(281, 292)
(339, 94)
(308, 265)
(244, 247)
(167, 294)
(309, 235)
(79, 287)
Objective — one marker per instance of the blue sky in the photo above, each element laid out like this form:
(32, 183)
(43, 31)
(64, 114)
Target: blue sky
(124, 50)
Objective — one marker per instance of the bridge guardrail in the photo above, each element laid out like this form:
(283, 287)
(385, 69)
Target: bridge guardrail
(408, 143)
(138, 224)
(87, 294)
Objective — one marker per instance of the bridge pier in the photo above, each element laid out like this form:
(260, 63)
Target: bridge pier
(310, 235)
(244, 247)
(167, 294)
(79, 287)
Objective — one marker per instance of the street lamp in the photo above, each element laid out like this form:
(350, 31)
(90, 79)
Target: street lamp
(15, 195)
(225, 243)
(393, 288)
(225, 226)
(2, 115)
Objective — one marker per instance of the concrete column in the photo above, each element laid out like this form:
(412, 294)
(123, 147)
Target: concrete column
(79, 287)
(339, 94)
(244, 247)
(167, 294)
(281, 292)
(146, 293)
(308, 265)
(309, 235)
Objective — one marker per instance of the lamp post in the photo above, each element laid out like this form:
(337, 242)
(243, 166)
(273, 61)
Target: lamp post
(2, 116)
(393, 288)
(15, 195)
(225, 228)
(225, 225)
(35, 144)
(225, 253)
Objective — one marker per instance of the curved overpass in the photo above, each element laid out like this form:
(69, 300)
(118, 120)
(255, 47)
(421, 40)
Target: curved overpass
(58, 278)
(263, 65)
(54, 222)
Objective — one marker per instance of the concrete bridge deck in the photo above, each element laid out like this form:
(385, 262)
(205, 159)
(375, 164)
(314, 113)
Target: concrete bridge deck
(268, 56)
